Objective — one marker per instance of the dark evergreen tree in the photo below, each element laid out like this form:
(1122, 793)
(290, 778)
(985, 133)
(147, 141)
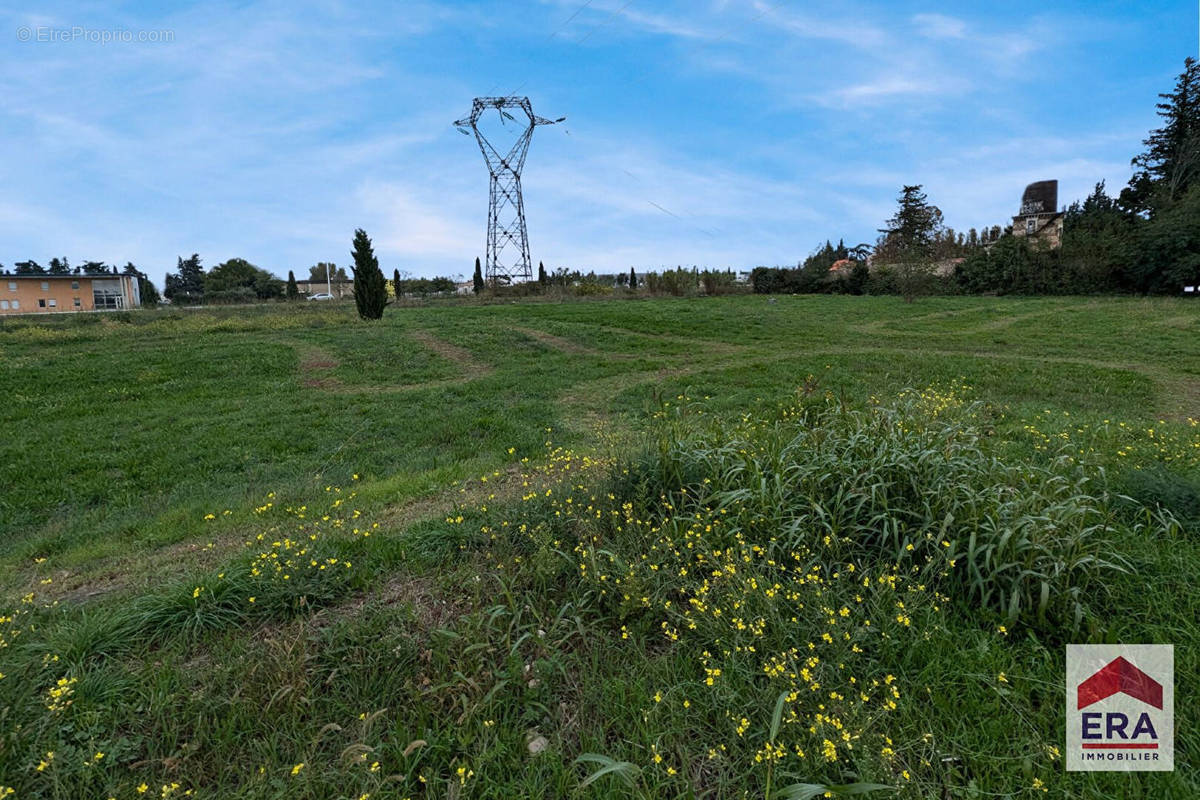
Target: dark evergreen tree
(542, 278)
(370, 287)
(148, 291)
(1164, 254)
(909, 242)
(633, 283)
(397, 284)
(1171, 163)
(60, 266)
(293, 291)
(477, 279)
(856, 283)
(29, 267)
(186, 285)
(911, 232)
(1096, 244)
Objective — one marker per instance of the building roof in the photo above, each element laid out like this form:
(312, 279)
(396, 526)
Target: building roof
(43, 276)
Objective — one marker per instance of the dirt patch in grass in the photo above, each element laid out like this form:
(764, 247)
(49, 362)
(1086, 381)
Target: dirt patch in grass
(464, 358)
(315, 368)
(557, 342)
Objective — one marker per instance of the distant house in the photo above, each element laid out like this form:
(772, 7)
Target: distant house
(31, 294)
(1040, 219)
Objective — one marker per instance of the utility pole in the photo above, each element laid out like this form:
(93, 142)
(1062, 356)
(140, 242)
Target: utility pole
(506, 208)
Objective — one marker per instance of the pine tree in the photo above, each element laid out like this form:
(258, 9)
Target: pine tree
(632, 279)
(185, 285)
(542, 277)
(478, 278)
(60, 266)
(909, 241)
(370, 287)
(293, 291)
(29, 267)
(397, 285)
(1171, 163)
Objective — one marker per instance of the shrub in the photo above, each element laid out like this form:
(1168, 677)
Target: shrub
(235, 296)
(1013, 266)
(591, 288)
(908, 484)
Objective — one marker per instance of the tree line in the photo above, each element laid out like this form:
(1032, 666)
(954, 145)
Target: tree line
(1144, 240)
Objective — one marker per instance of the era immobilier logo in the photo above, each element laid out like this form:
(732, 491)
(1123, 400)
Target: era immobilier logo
(1120, 707)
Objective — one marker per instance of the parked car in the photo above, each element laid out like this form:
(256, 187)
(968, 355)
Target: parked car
(321, 296)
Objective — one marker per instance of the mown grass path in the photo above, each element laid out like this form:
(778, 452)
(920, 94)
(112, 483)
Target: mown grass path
(121, 436)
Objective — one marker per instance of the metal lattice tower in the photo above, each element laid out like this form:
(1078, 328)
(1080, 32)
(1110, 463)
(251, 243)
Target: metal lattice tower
(507, 239)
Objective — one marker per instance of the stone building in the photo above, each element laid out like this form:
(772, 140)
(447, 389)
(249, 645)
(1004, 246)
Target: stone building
(1040, 218)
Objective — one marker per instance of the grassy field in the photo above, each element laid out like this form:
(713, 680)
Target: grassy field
(280, 552)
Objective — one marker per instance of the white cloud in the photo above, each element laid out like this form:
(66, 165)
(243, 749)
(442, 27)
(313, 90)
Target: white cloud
(748, 132)
(889, 87)
(861, 33)
(413, 223)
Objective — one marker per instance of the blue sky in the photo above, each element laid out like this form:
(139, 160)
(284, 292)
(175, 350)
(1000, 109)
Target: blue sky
(725, 133)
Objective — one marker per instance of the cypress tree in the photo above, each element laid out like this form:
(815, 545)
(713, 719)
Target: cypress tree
(370, 287)
(632, 279)
(396, 285)
(478, 278)
(293, 291)
(542, 278)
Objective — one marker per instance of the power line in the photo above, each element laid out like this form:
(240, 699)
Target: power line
(606, 22)
(562, 26)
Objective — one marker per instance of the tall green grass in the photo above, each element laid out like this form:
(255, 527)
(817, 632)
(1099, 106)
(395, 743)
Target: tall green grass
(912, 483)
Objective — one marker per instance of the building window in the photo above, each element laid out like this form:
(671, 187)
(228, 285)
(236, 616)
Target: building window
(1030, 224)
(53, 303)
(16, 304)
(3, 305)
(42, 303)
(77, 302)
(12, 286)
(107, 298)
(74, 284)
(45, 286)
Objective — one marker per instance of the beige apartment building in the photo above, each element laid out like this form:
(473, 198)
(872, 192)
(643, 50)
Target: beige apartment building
(33, 294)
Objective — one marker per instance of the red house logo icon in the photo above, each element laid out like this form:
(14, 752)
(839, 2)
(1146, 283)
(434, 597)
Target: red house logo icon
(1120, 707)
(1120, 676)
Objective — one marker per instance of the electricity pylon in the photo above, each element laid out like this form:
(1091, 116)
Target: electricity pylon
(506, 209)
